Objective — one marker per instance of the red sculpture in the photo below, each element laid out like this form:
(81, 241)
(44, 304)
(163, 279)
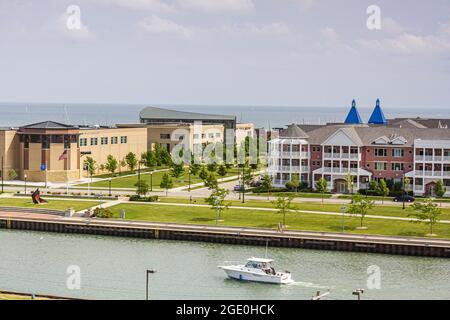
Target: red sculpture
(36, 197)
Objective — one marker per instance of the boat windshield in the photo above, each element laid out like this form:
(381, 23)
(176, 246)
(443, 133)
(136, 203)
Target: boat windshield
(257, 265)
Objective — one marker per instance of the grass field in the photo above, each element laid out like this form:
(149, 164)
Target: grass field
(52, 204)
(130, 181)
(393, 211)
(264, 219)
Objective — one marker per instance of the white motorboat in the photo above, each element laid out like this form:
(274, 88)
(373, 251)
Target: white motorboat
(258, 270)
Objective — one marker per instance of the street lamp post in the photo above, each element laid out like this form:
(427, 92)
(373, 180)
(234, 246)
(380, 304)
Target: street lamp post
(109, 181)
(343, 218)
(3, 173)
(189, 180)
(151, 180)
(25, 179)
(151, 271)
(404, 188)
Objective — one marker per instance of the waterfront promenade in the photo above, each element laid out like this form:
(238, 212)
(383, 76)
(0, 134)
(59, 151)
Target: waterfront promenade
(225, 234)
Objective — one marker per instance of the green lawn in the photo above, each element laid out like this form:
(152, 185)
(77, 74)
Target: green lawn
(263, 219)
(394, 211)
(130, 181)
(52, 204)
(124, 173)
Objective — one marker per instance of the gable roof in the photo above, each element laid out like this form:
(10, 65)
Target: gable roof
(49, 125)
(353, 116)
(377, 116)
(350, 134)
(294, 131)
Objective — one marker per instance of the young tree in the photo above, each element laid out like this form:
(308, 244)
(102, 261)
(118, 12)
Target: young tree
(267, 184)
(373, 185)
(427, 212)
(203, 173)
(91, 165)
(408, 187)
(360, 206)
(122, 164)
(131, 161)
(284, 205)
(382, 190)
(222, 171)
(212, 167)
(149, 159)
(217, 201)
(166, 183)
(350, 182)
(294, 184)
(111, 164)
(12, 174)
(440, 190)
(177, 171)
(165, 157)
(141, 188)
(211, 181)
(322, 187)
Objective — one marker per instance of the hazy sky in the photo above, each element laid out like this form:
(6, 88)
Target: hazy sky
(226, 52)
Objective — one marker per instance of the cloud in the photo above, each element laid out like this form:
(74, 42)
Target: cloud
(157, 25)
(389, 25)
(147, 5)
(411, 44)
(272, 29)
(304, 4)
(218, 6)
(330, 35)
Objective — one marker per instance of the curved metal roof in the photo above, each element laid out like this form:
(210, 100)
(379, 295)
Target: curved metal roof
(167, 114)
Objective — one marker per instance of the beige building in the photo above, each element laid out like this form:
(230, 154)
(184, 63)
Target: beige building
(100, 142)
(169, 135)
(54, 152)
(244, 130)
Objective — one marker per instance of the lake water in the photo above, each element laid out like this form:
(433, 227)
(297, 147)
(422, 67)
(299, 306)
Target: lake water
(114, 268)
(16, 114)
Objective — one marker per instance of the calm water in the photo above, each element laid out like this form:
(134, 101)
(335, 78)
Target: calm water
(114, 268)
(16, 114)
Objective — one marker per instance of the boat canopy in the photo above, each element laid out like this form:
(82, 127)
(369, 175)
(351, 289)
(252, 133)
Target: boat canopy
(260, 260)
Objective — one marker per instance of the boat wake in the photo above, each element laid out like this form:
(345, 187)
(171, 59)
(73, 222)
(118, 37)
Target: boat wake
(309, 285)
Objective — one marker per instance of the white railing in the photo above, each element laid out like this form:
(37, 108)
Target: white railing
(305, 155)
(446, 158)
(305, 169)
(340, 170)
(438, 158)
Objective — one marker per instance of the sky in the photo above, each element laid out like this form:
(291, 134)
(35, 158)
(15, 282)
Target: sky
(226, 52)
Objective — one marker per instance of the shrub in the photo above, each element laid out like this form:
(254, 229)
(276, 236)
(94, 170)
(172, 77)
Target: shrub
(102, 213)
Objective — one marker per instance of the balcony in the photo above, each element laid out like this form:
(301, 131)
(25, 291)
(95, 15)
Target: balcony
(342, 156)
(293, 154)
(340, 170)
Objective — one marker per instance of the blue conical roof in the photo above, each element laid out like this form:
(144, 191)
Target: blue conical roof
(377, 116)
(353, 116)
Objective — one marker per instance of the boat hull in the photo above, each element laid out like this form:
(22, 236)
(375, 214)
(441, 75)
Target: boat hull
(244, 275)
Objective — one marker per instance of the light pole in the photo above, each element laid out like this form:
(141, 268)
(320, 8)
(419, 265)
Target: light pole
(150, 271)
(109, 181)
(343, 218)
(151, 180)
(404, 188)
(216, 202)
(358, 292)
(25, 178)
(189, 180)
(3, 169)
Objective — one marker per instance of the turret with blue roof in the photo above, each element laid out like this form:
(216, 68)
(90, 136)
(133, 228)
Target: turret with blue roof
(377, 116)
(353, 116)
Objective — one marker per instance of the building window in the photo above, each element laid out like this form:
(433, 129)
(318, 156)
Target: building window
(380, 166)
(381, 152)
(104, 140)
(113, 140)
(218, 135)
(45, 142)
(398, 153)
(83, 142)
(94, 141)
(196, 136)
(211, 135)
(164, 136)
(66, 142)
(179, 137)
(123, 139)
(398, 166)
(203, 135)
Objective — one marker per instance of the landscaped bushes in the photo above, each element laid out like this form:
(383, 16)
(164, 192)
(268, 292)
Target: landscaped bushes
(102, 213)
(373, 193)
(144, 199)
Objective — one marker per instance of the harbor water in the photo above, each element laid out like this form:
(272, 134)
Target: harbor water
(115, 268)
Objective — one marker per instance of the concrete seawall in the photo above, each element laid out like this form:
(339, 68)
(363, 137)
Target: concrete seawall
(229, 235)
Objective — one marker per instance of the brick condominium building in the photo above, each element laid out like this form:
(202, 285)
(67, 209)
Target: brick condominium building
(381, 149)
